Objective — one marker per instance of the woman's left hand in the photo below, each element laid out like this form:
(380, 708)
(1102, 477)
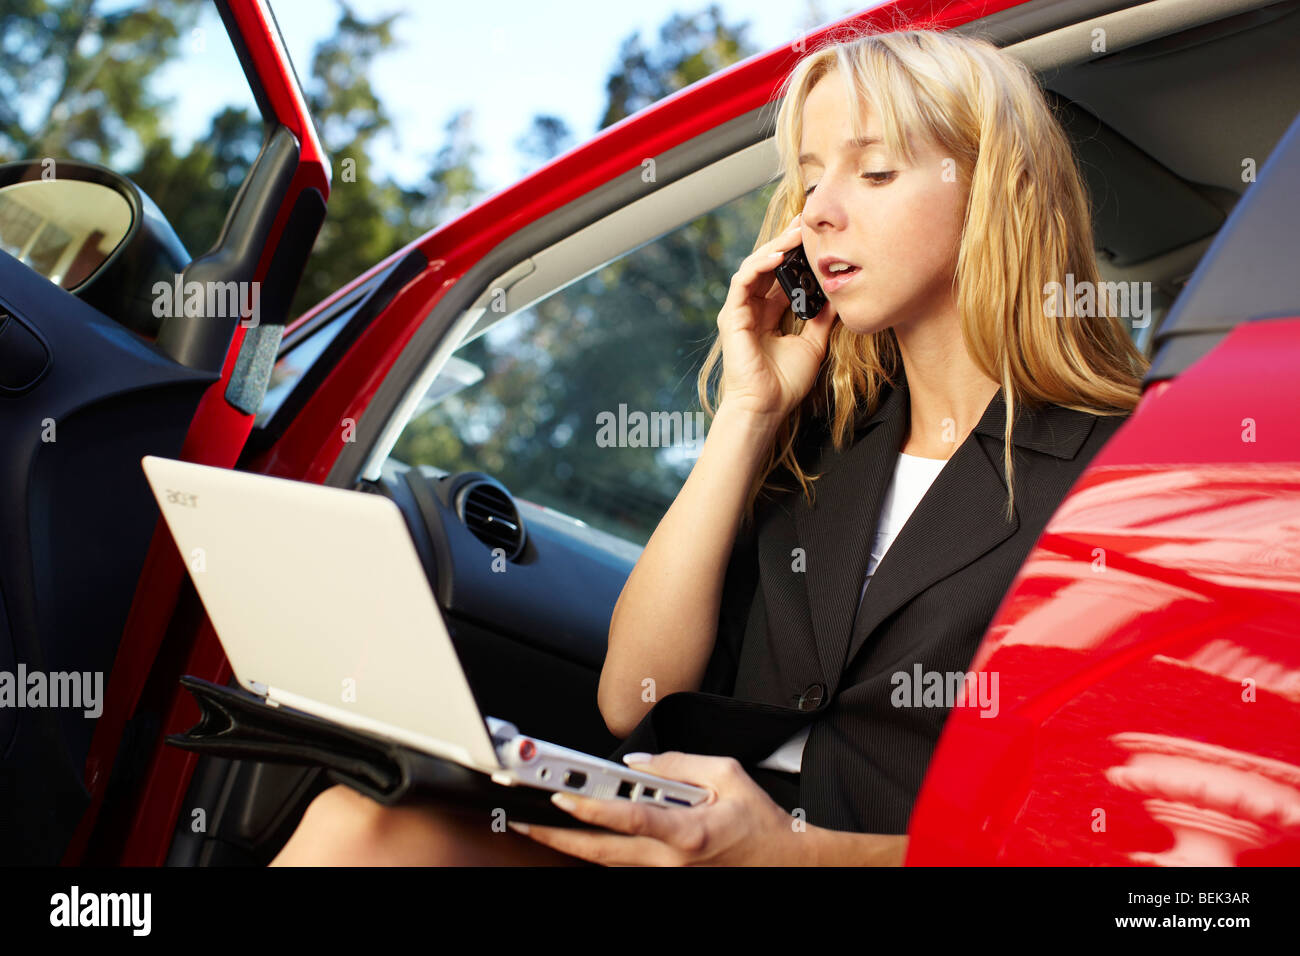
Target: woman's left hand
(739, 825)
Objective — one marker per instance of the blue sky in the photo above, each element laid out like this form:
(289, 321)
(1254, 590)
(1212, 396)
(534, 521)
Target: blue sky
(507, 61)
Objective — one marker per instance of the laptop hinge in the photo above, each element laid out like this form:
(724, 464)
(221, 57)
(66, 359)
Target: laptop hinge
(263, 691)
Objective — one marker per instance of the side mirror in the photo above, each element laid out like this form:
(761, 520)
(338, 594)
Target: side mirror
(65, 229)
(92, 232)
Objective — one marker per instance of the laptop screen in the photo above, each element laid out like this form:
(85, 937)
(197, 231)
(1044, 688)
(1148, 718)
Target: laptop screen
(318, 594)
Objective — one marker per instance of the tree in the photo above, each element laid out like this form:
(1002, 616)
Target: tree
(366, 219)
(452, 185)
(633, 332)
(370, 215)
(73, 78)
(77, 82)
(548, 137)
(195, 189)
(691, 47)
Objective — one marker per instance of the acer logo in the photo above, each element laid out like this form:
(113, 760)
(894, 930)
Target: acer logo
(182, 498)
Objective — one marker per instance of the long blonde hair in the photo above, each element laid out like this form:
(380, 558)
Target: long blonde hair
(1028, 223)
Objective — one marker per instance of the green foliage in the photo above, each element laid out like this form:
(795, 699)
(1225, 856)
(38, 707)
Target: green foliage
(634, 332)
(83, 74)
(548, 137)
(369, 215)
(690, 48)
(210, 173)
(76, 83)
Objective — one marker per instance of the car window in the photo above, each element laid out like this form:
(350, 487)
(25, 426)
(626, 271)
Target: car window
(151, 90)
(587, 400)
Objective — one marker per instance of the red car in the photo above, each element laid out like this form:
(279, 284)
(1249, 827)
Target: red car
(1146, 654)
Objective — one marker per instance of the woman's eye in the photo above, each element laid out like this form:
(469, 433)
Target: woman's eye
(876, 179)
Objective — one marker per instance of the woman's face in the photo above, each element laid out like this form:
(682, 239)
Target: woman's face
(899, 226)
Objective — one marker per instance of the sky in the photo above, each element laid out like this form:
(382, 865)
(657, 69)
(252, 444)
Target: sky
(507, 61)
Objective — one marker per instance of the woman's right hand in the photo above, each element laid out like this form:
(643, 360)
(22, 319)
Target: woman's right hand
(765, 372)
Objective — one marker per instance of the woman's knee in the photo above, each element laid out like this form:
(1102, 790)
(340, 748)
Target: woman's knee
(343, 827)
(348, 827)
(345, 811)
(340, 826)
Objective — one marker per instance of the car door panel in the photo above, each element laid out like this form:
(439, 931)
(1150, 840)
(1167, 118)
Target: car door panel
(266, 220)
(77, 522)
(266, 239)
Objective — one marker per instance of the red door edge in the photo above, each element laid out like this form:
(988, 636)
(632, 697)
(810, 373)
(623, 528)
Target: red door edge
(218, 431)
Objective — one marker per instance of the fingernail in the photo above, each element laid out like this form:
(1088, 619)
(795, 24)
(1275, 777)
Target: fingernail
(564, 801)
(517, 827)
(639, 757)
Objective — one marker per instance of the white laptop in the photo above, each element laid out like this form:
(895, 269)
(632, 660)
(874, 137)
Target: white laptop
(322, 605)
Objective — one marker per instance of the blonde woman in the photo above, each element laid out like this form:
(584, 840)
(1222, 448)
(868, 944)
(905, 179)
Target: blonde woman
(938, 199)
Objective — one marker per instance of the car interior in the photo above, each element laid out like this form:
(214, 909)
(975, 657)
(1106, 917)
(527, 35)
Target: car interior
(1186, 99)
(113, 370)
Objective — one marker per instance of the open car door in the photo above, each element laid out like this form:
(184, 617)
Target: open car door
(89, 577)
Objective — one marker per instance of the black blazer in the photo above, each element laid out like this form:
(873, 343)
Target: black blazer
(793, 647)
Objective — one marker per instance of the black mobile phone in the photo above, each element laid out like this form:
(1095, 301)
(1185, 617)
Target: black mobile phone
(797, 278)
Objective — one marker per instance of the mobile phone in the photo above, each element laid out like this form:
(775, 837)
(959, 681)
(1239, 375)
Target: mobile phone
(800, 284)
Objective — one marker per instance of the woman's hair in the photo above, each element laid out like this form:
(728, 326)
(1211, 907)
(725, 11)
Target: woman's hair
(1027, 224)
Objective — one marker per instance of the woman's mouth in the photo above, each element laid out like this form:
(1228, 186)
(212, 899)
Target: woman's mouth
(835, 273)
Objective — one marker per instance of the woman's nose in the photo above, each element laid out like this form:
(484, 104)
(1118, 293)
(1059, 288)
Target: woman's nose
(823, 208)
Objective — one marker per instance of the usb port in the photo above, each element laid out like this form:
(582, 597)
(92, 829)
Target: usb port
(625, 789)
(575, 779)
(650, 792)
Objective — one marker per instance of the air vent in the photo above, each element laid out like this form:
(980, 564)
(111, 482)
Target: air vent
(491, 516)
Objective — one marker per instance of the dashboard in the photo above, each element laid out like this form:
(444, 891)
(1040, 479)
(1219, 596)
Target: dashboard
(527, 593)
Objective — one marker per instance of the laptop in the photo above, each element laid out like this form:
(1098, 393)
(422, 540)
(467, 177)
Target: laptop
(322, 605)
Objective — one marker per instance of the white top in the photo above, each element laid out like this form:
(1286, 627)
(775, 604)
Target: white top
(912, 479)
